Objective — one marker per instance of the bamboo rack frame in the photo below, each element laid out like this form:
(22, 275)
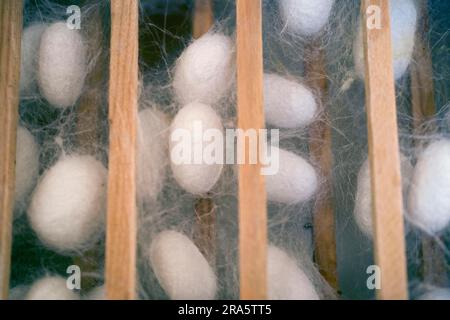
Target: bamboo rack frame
(10, 45)
(121, 217)
(384, 155)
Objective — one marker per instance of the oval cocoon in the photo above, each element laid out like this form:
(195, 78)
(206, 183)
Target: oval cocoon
(286, 281)
(153, 130)
(31, 41)
(186, 144)
(403, 30)
(62, 65)
(27, 165)
(180, 268)
(288, 104)
(305, 17)
(51, 288)
(295, 181)
(67, 207)
(429, 200)
(205, 70)
(363, 199)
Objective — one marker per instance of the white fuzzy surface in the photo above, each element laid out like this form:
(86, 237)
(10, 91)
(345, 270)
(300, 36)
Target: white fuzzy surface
(31, 41)
(287, 103)
(305, 17)
(286, 281)
(429, 198)
(181, 269)
(436, 294)
(205, 70)
(67, 207)
(27, 165)
(295, 181)
(403, 30)
(363, 200)
(51, 288)
(62, 65)
(152, 161)
(195, 178)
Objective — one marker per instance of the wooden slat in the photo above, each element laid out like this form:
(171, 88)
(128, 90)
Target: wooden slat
(252, 194)
(434, 268)
(320, 149)
(10, 44)
(389, 240)
(203, 18)
(123, 95)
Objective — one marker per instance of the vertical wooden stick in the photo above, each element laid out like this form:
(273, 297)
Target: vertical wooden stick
(10, 45)
(423, 108)
(123, 91)
(320, 148)
(389, 240)
(203, 18)
(252, 193)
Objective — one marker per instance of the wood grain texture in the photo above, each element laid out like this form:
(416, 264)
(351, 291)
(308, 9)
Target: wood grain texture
(10, 44)
(252, 194)
(123, 95)
(434, 267)
(320, 150)
(203, 18)
(387, 210)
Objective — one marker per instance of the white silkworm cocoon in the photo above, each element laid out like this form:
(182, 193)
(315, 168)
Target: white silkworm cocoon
(295, 181)
(363, 200)
(27, 165)
(286, 281)
(62, 65)
(429, 200)
(205, 70)
(305, 17)
(31, 41)
(403, 30)
(287, 103)
(182, 271)
(67, 207)
(189, 150)
(152, 149)
(51, 288)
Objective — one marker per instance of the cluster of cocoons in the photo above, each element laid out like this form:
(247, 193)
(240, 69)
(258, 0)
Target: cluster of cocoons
(403, 15)
(67, 206)
(182, 271)
(51, 288)
(60, 66)
(152, 151)
(429, 201)
(305, 17)
(363, 200)
(27, 166)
